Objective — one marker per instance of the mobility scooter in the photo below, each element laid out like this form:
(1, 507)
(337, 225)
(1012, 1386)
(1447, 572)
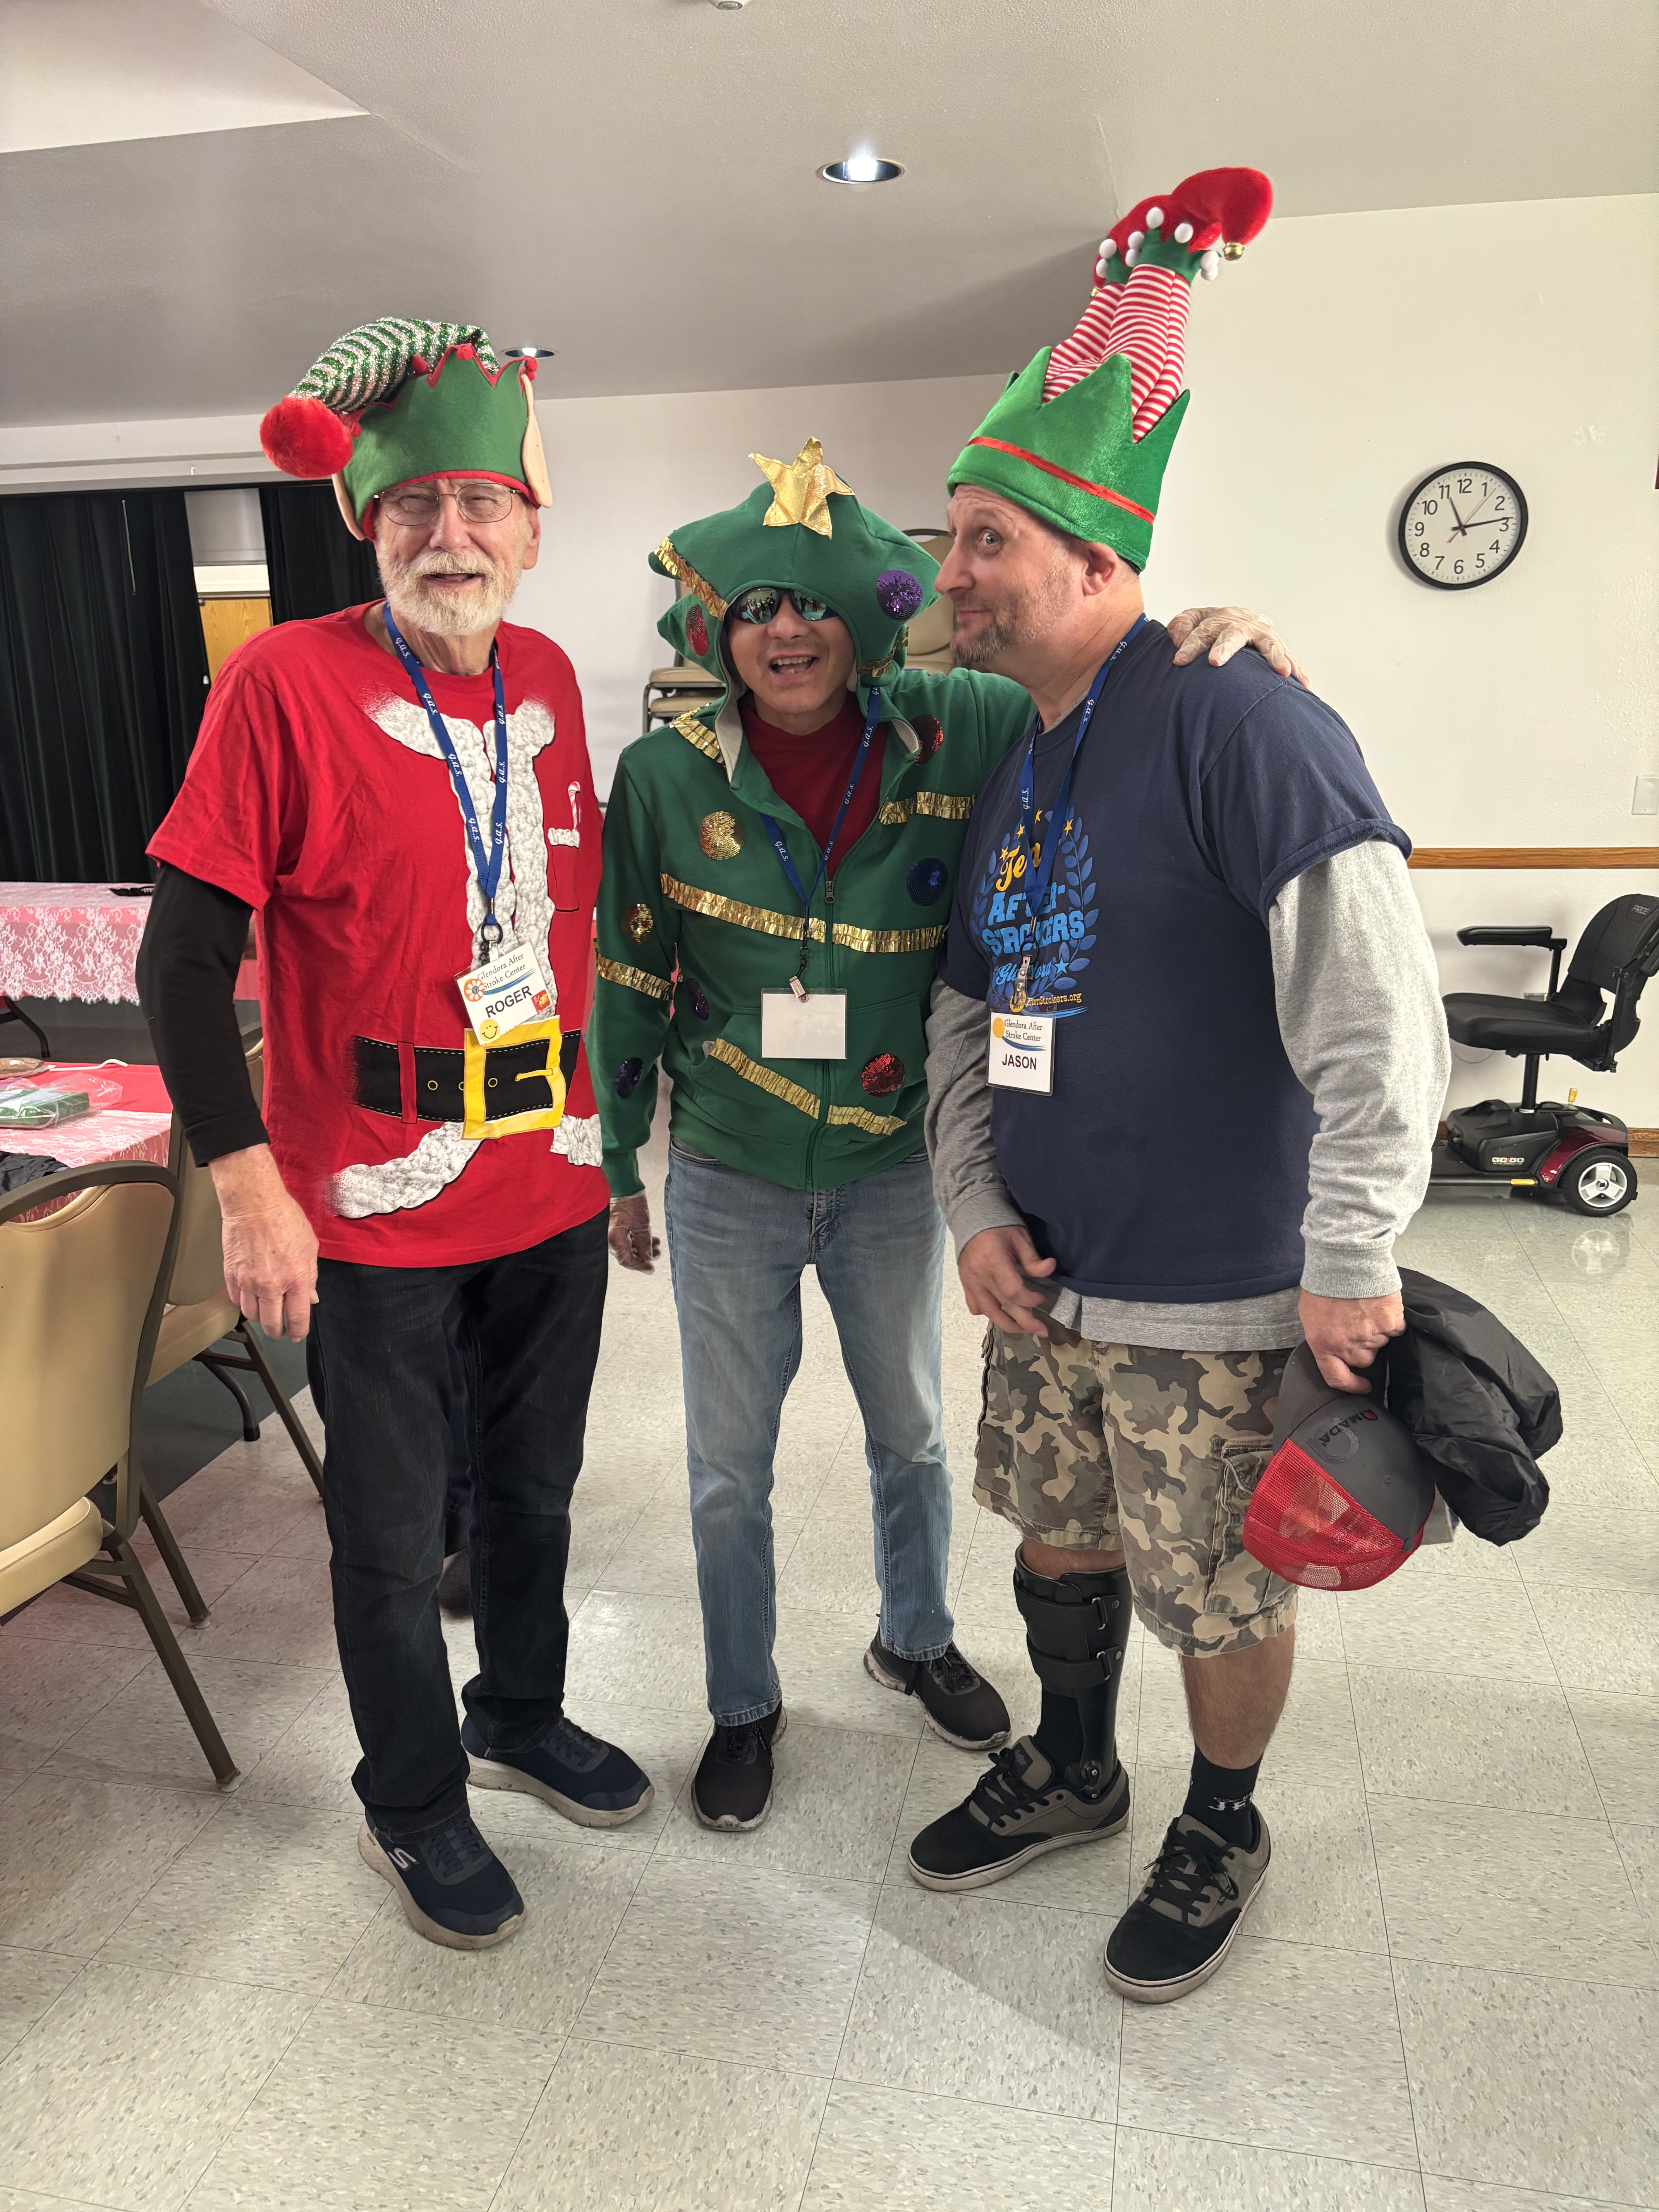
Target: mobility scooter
(1571, 1152)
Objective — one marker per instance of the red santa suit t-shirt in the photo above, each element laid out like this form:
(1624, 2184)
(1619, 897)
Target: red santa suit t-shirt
(317, 793)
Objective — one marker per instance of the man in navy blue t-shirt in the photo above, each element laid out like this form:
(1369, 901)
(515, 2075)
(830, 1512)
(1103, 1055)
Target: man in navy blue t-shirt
(1186, 1057)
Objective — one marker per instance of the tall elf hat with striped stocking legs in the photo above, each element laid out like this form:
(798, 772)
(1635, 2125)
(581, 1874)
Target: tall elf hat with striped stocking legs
(396, 401)
(1082, 436)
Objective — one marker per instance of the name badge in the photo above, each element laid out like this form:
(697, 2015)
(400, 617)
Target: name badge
(1022, 1051)
(504, 995)
(813, 1028)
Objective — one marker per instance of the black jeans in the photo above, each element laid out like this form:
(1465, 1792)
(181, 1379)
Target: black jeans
(528, 1328)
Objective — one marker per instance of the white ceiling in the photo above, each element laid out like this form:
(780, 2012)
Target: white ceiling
(632, 181)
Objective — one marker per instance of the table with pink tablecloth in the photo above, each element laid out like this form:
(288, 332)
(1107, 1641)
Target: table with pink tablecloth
(76, 941)
(133, 1130)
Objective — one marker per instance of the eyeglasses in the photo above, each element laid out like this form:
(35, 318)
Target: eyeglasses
(418, 505)
(761, 604)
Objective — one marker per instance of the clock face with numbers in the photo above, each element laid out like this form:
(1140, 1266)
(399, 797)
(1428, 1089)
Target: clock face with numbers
(1463, 525)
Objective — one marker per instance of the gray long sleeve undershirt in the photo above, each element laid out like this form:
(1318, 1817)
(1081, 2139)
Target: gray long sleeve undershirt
(1360, 1015)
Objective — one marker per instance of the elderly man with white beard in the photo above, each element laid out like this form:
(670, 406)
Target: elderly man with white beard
(401, 793)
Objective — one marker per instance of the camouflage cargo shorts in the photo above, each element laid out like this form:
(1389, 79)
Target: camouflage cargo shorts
(1119, 1447)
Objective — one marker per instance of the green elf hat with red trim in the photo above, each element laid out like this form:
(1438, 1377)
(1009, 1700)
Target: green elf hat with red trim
(397, 400)
(1082, 436)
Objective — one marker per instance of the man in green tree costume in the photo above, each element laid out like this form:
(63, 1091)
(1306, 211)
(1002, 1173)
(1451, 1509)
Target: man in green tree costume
(778, 872)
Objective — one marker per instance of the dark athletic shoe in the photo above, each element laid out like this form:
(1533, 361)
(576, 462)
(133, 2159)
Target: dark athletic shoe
(455, 1587)
(732, 1786)
(589, 1781)
(1182, 1926)
(453, 1889)
(957, 1702)
(1019, 1809)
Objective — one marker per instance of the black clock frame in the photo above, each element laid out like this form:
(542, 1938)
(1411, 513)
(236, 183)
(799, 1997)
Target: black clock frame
(1471, 583)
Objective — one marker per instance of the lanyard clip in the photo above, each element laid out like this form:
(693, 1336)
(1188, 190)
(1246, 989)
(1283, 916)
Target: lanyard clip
(798, 988)
(490, 934)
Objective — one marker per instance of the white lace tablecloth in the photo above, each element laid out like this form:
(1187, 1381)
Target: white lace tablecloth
(75, 941)
(68, 941)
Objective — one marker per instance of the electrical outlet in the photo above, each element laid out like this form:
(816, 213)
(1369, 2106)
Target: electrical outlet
(1646, 801)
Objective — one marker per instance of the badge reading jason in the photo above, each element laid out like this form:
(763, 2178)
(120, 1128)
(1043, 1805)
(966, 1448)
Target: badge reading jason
(504, 995)
(1022, 1051)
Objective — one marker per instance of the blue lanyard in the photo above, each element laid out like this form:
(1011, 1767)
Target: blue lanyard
(487, 865)
(1037, 878)
(781, 849)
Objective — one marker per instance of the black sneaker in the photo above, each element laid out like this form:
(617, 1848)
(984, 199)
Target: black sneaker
(957, 1703)
(589, 1781)
(455, 1587)
(1019, 1809)
(732, 1786)
(453, 1889)
(1182, 1924)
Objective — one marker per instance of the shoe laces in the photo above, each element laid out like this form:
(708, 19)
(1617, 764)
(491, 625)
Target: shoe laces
(454, 1851)
(1185, 1868)
(739, 1746)
(571, 1735)
(1003, 1788)
(952, 1672)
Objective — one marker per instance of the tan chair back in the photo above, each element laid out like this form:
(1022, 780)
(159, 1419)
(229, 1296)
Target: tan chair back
(931, 630)
(80, 1304)
(199, 1266)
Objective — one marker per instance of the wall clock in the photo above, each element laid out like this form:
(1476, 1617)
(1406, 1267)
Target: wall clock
(1463, 525)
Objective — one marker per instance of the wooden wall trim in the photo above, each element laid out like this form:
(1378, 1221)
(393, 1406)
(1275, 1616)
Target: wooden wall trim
(1535, 856)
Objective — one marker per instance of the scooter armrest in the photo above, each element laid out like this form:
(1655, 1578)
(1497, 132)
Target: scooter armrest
(1519, 932)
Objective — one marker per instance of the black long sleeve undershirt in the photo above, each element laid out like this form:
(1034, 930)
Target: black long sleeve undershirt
(187, 964)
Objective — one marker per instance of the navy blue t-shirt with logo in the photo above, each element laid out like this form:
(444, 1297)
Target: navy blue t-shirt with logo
(1169, 1163)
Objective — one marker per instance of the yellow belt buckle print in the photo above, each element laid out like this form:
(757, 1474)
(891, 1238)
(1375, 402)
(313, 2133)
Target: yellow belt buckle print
(487, 1070)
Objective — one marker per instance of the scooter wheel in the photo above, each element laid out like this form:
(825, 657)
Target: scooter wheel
(1599, 1180)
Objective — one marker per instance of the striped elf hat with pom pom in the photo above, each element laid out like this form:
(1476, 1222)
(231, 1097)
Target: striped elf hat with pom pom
(396, 401)
(1082, 436)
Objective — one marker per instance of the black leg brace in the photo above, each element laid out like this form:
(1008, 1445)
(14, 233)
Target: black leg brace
(1077, 1631)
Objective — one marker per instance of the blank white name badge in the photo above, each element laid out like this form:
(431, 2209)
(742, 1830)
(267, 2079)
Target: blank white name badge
(1022, 1051)
(813, 1028)
(504, 994)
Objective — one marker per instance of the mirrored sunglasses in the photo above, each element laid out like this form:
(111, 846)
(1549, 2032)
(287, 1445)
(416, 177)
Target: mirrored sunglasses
(476, 502)
(761, 604)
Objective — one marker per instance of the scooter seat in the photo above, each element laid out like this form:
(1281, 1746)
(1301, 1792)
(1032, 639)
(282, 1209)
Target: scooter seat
(1528, 1025)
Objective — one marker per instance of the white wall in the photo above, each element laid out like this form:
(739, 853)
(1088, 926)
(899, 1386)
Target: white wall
(1344, 359)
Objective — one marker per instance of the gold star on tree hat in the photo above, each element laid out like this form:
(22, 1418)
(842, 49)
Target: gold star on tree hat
(802, 530)
(397, 400)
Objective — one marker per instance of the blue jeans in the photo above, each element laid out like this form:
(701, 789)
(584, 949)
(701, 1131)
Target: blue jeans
(737, 1248)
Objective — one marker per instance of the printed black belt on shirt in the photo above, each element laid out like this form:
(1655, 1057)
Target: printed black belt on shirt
(492, 1090)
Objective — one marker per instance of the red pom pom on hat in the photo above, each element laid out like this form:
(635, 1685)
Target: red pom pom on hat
(304, 438)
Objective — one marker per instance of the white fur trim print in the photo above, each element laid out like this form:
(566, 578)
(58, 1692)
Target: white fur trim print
(395, 1186)
(578, 1137)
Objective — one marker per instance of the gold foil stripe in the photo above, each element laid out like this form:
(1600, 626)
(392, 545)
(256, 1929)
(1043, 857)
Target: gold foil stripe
(763, 918)
(676, 565)
(888, 941)
(767, 1078)
(942, 805)
(633, 979)
(700, 735)
(861, 1117)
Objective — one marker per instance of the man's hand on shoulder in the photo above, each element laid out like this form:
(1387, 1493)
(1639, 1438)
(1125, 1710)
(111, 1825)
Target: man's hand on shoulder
(1345, 1334)
(1221, 632)
(270, 1248)
(994, 1268)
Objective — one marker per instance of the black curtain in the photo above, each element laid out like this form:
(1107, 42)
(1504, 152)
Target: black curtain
(103, 673)
(317, 567)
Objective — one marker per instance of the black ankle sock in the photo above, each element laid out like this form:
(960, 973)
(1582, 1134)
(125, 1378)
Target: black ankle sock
(1220, 1797)
(1060, 1731)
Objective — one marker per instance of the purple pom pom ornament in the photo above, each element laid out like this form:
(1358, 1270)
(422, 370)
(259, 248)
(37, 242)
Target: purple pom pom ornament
(898, 593)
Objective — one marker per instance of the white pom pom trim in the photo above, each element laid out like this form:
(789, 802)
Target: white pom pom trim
(1130, 258)
(1136, 239)
(1183, 231)
(1108, 248)
(1154, 218)
(1209, 265)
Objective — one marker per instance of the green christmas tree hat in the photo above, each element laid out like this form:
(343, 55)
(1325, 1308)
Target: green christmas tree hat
(805, 530)
(397, 400)
(1081, 437)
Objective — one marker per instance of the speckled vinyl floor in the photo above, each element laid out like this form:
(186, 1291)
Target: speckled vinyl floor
(1446, 2003)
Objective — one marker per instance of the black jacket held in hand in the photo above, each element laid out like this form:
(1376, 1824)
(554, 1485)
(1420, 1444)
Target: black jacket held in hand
(1478, 1403)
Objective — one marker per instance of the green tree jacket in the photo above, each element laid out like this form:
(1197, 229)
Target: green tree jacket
(696, 919)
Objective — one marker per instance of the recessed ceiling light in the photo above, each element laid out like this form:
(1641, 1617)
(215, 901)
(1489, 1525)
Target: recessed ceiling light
(527, 353)
(861, 169)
